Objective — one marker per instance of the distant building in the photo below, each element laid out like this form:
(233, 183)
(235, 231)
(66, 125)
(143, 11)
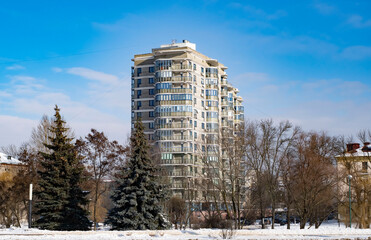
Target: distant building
(354, 165)
(8, 166)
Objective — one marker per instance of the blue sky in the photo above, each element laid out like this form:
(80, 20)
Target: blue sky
(305, 61)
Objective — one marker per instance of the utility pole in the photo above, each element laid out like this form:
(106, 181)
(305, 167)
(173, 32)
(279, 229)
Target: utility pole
(30, 208)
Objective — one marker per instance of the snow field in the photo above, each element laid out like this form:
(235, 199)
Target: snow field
(325, 231)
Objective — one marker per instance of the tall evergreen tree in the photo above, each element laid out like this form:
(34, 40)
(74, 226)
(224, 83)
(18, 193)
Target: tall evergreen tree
(137, 198)
(59, 198)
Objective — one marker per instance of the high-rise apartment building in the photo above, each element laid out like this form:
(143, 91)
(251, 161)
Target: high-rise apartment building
(186, 103)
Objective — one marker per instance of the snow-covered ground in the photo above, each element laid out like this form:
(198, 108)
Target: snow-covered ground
(329, 230)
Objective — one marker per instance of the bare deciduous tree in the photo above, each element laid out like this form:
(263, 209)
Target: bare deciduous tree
(101, 156)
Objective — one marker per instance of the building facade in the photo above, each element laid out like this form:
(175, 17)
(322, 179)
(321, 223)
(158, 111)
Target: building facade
(185, 103)
(354, 190)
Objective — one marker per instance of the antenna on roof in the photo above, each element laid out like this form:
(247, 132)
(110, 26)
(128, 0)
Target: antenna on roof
(173, 41)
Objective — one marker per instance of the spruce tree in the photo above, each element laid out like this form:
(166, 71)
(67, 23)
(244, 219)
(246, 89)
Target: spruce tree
(137, 198)
(59, 198)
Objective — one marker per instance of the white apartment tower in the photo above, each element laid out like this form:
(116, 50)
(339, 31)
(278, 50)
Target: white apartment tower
(185, 102)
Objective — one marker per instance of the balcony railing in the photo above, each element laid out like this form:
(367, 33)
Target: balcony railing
(174, 79)
(212, 86)
(224, 93)
(173, 114)
(212, 119)
(212, 97)
(176, 149)
(174, 125)
(181, 174)
(181, 67)
(176, 161)
(174, 137)
(175, 102)
(175, 90)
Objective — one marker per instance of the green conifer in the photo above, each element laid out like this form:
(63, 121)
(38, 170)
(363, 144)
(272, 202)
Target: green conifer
(59, 198)
(137, 198)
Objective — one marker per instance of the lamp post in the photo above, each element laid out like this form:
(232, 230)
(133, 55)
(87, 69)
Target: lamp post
(350, 202)
(30, 208)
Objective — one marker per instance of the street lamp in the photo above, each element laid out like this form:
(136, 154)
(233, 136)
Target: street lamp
(30, 208)
(350, 202)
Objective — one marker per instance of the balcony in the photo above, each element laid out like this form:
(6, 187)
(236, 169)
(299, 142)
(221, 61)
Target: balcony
(224, 93)
(174, 79)
(224, 82)
(212, 86)
(224, 103)
(176, 149)
(175, 102)
(226, 124)
(212, 97)
(174, 138)
(173, 114)
(174, 125)
(224, 114)
(181, 67)
(212, 120)
(177, 162)
(181, 174)
(175, 90)
(182, 186)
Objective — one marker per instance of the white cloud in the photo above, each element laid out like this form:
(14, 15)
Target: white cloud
(324, 8)
(259, 13)
(291, 44)
(358, 22)
(251, 77)
(93, 75)
(356, 52)
(334, 105)
(32, 99)
(15, 67)
(57, 69)
(16, 129)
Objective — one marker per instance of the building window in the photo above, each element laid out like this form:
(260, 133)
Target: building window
(195, 100)
(151, 125)
(194, 89)
(151, 114)
(139, 81)
(151, 81)
(195, 123)
(203, 125)
(139, 104)
(139, 71)
(139, 93)
(194, 67)
(151, 69)
(195, 135)
(203, 114)
(152, 102)
(202, 70)
(364, 166)
(151, 91)
(139, 114)
(132, 114)
(202, 103)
